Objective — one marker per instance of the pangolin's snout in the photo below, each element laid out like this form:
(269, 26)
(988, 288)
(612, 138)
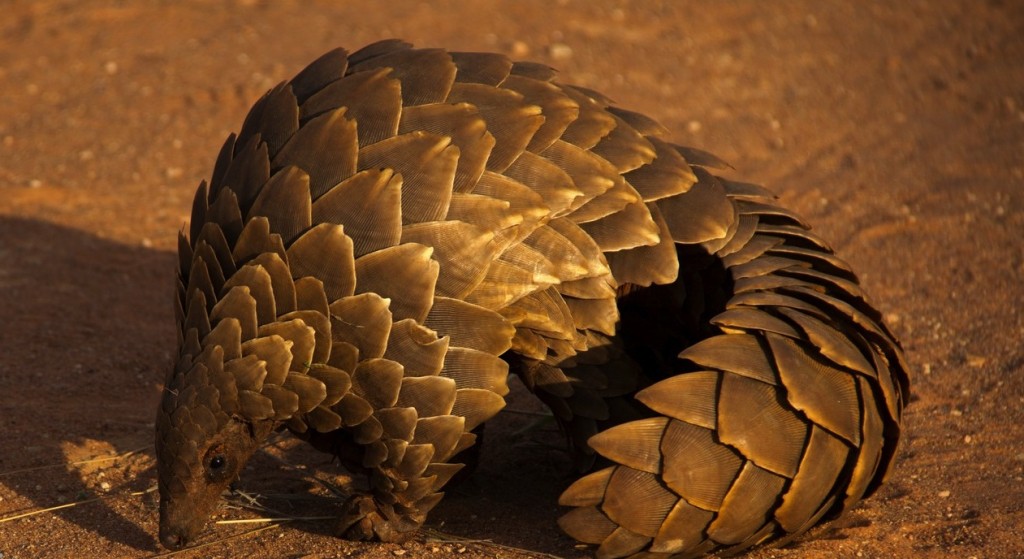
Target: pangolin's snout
(178, 528)
(173, 539)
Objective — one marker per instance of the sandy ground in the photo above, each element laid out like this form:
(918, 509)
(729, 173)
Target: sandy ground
(896, 128)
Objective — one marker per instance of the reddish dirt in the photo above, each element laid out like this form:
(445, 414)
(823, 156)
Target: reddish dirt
(896, 128)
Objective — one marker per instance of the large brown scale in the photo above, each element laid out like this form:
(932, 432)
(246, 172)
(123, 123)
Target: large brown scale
(396, 230)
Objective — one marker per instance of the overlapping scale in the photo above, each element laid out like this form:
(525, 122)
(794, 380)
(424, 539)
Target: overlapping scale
(417, 348)
(511, 121)
(368, 203)
(636, 500)
(405, 274)
(427, 163)
(370, 97)
(462, 123)
(481, 67)
(462, 250)
(426, 75)
(332, 132)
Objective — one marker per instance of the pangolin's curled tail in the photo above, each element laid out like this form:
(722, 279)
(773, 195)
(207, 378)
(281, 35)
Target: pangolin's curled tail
(392, 229)
(786, 410)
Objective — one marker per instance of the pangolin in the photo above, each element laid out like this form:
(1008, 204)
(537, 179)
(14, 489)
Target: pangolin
(396, 230)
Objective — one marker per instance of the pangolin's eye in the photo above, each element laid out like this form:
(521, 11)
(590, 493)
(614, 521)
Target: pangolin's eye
(216, 463)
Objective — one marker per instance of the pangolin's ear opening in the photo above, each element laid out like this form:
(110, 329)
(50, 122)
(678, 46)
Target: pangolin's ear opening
(251, 429)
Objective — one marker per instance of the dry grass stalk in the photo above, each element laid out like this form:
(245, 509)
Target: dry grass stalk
(75, 504)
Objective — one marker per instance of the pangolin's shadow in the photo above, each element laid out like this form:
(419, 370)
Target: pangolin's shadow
(86, 335)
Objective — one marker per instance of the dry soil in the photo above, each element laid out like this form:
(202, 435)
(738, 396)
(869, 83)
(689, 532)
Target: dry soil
(897, 128)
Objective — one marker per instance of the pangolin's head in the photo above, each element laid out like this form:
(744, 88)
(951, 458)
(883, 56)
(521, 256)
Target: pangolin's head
(201, 446)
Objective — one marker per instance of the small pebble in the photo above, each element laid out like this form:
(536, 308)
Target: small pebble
(968, 439)
(398, 552)
(944, 493)
(560, 51)
(520, 49)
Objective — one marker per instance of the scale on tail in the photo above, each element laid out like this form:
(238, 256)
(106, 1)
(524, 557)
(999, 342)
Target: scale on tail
(394, 231)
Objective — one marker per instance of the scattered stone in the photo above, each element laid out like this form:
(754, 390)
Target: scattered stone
(560, 51)
(520, 49)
